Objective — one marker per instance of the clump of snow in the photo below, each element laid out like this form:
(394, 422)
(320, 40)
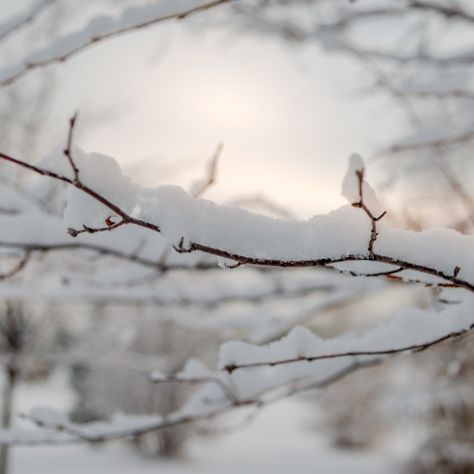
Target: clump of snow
(99, 172)
(443, 249)
(194, 369)
(184, 219)
(350, 186)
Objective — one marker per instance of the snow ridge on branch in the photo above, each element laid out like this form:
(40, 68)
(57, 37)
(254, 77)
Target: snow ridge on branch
(100, 205)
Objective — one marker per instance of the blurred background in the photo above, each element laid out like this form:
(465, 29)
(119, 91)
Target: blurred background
(291, 89)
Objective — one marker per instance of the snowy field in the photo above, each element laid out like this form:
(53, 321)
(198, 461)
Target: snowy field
(280, 440)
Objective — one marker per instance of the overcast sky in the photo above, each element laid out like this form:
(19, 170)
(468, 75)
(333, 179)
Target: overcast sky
(161, 100)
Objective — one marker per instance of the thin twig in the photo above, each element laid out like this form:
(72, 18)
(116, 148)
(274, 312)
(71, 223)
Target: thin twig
(18, 267)
(68, 149)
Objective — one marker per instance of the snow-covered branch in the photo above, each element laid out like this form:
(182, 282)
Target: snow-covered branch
(105, 27)
(214, 399)
(254, 376)
(349, 234)
(410, 331)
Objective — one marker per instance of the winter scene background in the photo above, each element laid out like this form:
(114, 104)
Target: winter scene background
(236, 236)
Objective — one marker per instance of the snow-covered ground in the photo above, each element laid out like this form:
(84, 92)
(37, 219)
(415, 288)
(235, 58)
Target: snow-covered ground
(280, 440)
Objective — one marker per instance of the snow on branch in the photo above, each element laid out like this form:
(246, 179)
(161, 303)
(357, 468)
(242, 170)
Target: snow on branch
(333, 28)
(105, 27)
(410, 331)
(102, 200)
(219, 395)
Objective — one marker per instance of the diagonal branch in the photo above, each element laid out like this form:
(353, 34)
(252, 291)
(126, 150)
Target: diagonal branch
(21, 264)
(91, 41)
(200, 187)
(78, 434)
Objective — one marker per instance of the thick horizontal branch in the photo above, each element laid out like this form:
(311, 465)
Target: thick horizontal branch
(243, 259)
(328, 262)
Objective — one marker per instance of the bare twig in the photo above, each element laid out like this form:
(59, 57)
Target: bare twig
(102, 250)
(373, 220)
(226, 389)
(68, 149)
(18, 267)
(211, 173)
(443, 142)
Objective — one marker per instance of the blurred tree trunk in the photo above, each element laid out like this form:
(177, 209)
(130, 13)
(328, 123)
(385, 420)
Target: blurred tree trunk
(7, 405)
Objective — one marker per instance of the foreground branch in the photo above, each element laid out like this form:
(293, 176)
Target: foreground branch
(126, 219)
